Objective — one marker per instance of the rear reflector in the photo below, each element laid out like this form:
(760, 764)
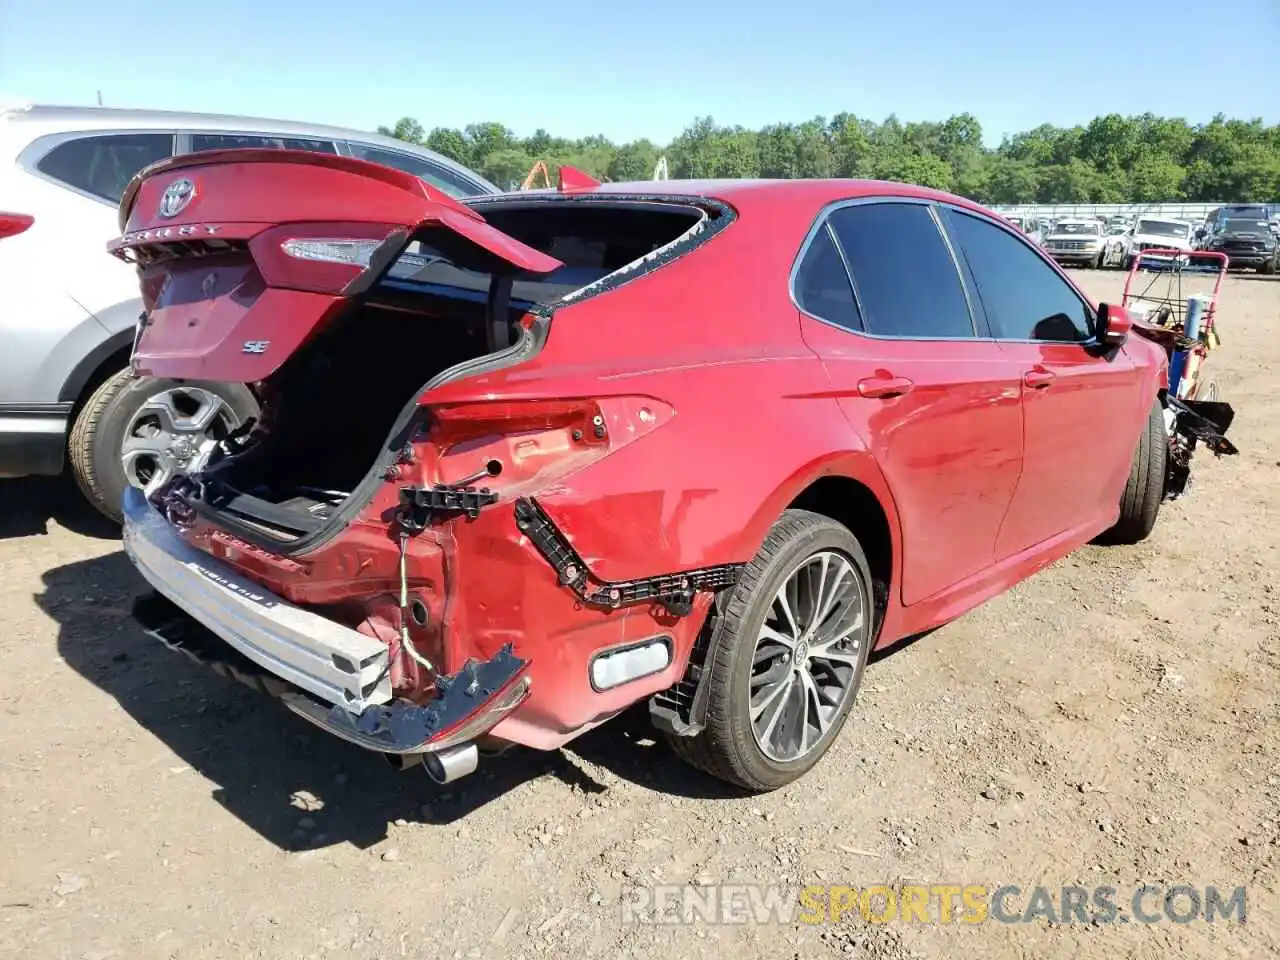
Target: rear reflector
(614, 668)
(12, 224)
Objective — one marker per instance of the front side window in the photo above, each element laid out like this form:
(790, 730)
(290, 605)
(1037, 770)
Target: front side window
(1024, 297)
(103, 165)
(236, 141)
(423, 169)
(822, 284)
(904, 278)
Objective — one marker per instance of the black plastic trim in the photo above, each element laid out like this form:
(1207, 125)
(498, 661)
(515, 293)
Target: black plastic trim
(674, 591)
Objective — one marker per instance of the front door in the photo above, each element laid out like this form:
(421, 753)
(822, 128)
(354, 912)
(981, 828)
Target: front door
(937, 404)
(1082, 405)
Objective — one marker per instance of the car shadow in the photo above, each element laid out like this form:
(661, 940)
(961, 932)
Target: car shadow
(271, 769)
(29, 503)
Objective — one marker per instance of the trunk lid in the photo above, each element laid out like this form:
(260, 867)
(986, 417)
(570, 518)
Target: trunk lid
(243, 254)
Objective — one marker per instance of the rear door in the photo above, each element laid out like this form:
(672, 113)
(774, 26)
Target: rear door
(1082, 406)
(935, 399)
(243, 254)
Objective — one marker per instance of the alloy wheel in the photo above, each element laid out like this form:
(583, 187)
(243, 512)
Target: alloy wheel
(174, 432)
(808, 656)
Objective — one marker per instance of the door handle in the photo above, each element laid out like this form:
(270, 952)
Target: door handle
(884, 387)
(1039, 378)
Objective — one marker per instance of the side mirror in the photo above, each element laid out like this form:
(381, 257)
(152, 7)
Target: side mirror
(1114, 324)
(1201, 233)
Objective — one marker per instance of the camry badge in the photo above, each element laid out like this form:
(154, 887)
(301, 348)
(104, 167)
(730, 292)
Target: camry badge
(176, 197)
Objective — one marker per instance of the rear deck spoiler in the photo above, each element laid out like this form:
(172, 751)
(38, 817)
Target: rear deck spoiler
(244, 253)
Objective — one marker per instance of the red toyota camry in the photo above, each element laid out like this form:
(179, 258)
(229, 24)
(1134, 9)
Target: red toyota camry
(526, 460)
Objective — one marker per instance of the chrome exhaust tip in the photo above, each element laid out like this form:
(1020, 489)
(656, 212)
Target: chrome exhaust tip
(450, 764)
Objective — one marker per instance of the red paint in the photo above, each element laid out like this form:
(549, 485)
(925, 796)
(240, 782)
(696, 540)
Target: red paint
(721, 404)
(571, 179)
(12, 224)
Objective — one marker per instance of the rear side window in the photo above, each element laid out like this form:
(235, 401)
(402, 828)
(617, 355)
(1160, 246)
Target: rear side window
(103, 165)
(1024, 297)
(822, 284)
(423, 169)
(235, 141)
(904, 277)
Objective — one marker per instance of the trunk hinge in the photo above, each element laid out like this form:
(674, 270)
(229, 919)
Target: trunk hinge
(674, 591)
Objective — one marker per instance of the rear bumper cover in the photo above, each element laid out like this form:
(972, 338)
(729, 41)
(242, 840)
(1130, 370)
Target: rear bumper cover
(333, 676)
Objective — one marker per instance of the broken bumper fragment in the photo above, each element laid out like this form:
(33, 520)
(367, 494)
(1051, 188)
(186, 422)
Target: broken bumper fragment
(1190, 422)
(333, 676)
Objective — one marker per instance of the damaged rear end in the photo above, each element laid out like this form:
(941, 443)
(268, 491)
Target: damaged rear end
(361, 549)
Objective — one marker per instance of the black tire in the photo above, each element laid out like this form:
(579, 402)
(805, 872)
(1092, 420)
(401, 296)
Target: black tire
(1270, 266)
(1140, 502)
(1097, 261)
(726, 747)
(94, 444)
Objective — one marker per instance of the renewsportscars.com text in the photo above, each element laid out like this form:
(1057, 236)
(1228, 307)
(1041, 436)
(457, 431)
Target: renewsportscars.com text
(941, 903)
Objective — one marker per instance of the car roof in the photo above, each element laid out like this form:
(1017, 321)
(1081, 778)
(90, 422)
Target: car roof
(42, 119)
(745, 193)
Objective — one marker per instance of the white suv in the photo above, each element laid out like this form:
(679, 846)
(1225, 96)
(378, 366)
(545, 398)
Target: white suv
(68, 311)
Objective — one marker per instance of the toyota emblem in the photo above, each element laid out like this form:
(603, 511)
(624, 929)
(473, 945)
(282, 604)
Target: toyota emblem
(176, 197)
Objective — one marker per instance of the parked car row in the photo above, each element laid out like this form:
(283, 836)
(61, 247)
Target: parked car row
(68, 313)
(1249, 234)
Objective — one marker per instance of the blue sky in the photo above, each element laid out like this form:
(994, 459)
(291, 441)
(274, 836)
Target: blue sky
(648, 68)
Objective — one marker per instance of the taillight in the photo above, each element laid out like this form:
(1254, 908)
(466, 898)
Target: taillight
(12, 224)
(502, 443)
(341, 258)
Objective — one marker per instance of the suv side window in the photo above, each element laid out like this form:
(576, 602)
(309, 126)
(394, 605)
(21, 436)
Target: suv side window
(1024, 297)
(236, 141)
(104, 164)
(905, 280)
(822, 286)
(421, 168)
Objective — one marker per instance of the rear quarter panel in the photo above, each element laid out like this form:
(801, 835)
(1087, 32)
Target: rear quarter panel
(714, 336)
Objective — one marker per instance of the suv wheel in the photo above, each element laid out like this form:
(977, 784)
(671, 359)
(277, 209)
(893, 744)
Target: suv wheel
(792, 649)
(142, 431)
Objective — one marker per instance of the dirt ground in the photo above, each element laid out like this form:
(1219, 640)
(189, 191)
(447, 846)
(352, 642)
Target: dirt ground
(1112, 721)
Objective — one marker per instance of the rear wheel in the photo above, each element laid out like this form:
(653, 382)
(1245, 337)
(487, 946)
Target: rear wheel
(142, 431)
(1140, 502)
(790, 656)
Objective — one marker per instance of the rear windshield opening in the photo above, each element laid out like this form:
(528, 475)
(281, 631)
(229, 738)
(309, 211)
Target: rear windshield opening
(592, 239)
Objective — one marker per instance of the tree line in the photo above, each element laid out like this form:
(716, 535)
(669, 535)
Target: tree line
(1113, 159)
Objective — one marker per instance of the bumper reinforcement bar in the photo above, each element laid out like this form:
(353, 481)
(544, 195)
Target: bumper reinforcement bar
(466, 704)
